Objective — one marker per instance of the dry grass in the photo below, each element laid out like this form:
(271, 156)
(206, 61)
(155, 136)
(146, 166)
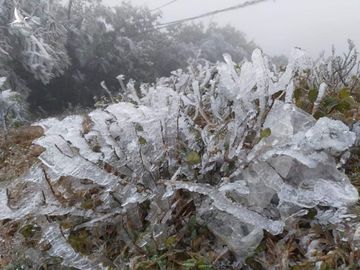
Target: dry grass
(17, 151)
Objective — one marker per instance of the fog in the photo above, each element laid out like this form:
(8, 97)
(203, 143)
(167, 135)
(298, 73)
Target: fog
(277, 26)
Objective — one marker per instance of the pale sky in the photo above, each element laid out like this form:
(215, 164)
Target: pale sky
(277, 26)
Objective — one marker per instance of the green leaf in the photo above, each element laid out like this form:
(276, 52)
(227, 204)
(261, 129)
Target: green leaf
(311, 214)
(142, 140)
(313, 94)
(265, 133)
(193, 158)
(189, 263)
(297, 94)
(350, 100)
(204, 266)
(28, 231)
(171, 241)
(343, 106)
(344, 93)
(330, 103)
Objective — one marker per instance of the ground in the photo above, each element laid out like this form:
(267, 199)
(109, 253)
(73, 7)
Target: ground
(17, 151)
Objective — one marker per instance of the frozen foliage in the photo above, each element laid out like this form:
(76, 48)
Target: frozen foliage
(38, 57)
(12, 107)
(338, 71)
(250, 161)
(31, 36)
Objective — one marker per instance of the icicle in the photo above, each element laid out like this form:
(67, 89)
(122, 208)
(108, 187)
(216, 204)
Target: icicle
(322, 90)
(289, 92)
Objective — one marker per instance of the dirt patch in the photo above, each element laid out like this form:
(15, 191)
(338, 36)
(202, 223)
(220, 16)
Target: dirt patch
(17, 151)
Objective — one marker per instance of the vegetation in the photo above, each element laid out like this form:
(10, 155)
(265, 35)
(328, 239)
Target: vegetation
(63, 58)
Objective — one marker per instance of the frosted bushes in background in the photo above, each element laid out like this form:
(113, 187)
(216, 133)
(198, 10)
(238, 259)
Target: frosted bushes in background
(12, 107)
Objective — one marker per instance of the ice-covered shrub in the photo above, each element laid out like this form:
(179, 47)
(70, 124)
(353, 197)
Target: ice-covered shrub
(330, 87)
(248, 159)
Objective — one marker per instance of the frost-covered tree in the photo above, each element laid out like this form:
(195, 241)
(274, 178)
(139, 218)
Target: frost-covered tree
(33, 37)
(104, 42)
(213, 41)
(62, 52)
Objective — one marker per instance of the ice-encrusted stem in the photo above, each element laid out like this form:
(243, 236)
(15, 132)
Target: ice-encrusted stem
(222, 203)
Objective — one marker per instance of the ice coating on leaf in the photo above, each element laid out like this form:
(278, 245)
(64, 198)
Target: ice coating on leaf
(69, 130)
(300, 151)
(298, 62)
(230, 82)
(64, 160)
(240, 238)
(356, 130)
(330, 135)
(255, 73)
(60, 248)
(258, 73)
(34, 196)
(322, 90)
(264, 76)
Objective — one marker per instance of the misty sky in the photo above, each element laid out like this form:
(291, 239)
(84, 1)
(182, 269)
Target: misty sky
(278, 25)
